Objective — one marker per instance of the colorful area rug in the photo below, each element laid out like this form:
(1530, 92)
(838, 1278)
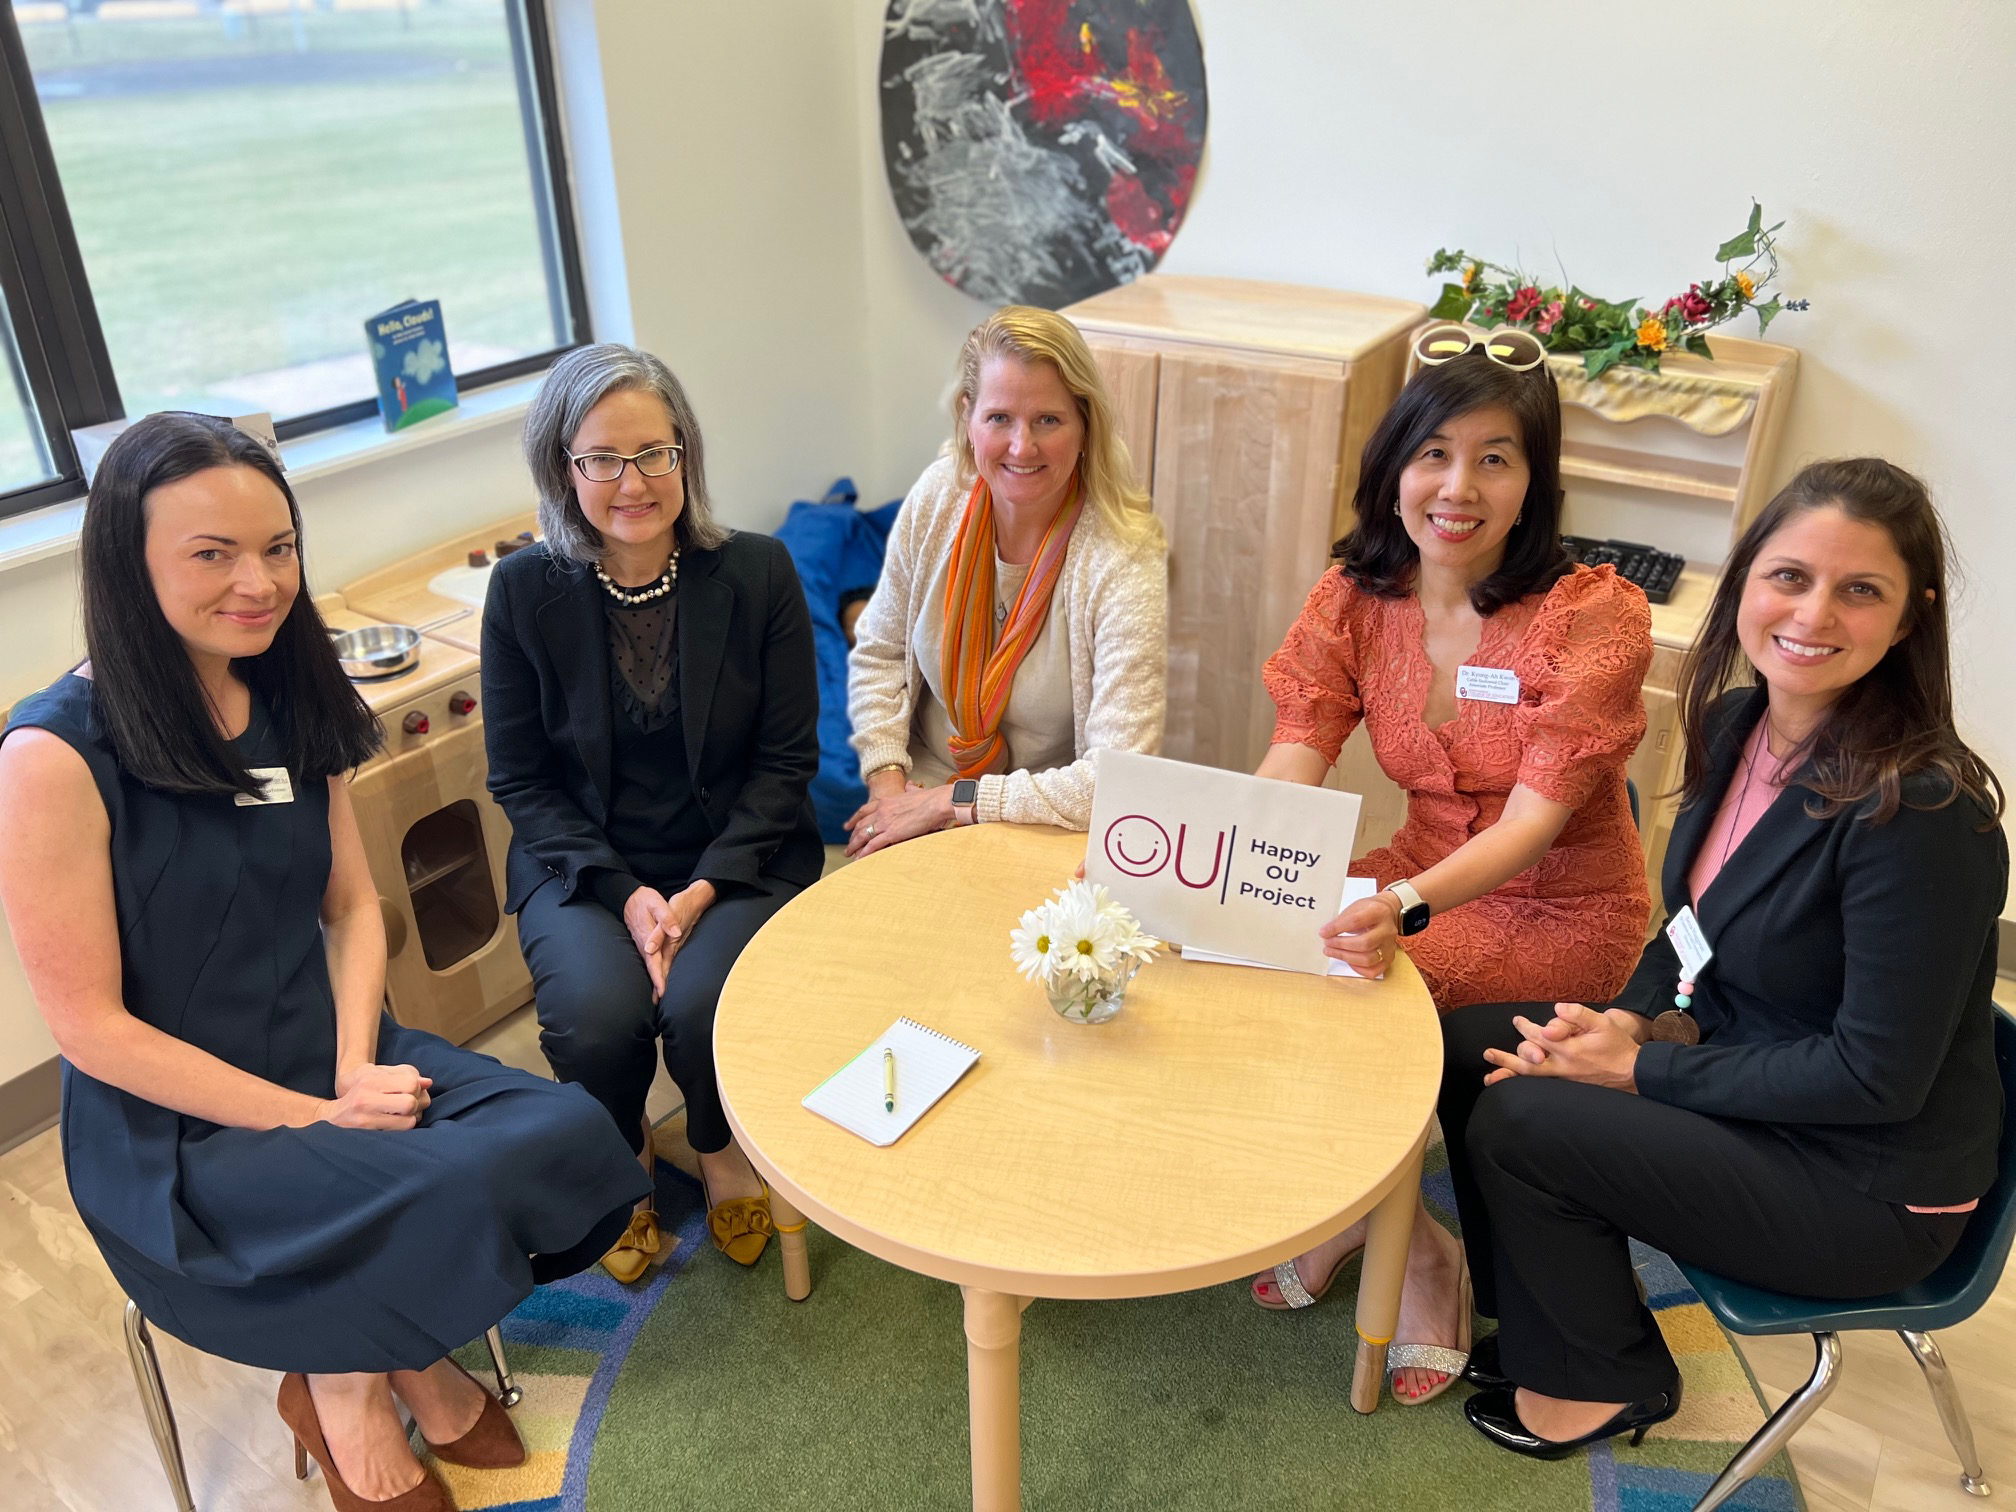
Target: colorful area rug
(705, 1388)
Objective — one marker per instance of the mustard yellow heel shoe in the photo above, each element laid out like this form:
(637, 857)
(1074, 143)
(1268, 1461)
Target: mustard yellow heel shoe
(630, 1256)
(740, 1227)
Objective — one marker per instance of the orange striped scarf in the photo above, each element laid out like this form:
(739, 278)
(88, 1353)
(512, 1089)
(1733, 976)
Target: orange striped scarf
(975, 670)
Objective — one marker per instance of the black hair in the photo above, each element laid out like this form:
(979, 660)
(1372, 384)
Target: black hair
(1380, 557)
(1897, 718)
(152, 707)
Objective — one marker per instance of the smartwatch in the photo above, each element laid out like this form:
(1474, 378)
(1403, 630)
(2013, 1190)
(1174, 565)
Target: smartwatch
(1413, 908)
(965, 793)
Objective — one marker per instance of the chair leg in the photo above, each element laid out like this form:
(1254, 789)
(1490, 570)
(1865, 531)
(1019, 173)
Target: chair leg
(1777, 1432)
(1952, 1416)
(154, 1400)
(508, 1391)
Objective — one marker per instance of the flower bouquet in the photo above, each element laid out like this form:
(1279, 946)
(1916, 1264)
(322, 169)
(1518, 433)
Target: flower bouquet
(1608, 333)
(1084, 948)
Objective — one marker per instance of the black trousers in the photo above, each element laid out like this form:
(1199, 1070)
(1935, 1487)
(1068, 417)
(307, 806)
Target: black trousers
(597, 1023)
(1554, 1177)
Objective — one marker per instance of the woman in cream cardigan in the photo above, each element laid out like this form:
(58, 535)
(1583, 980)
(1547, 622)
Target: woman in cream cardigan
(1021, 621)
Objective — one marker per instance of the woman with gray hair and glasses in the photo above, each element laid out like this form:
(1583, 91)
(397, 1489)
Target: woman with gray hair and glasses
(651, 713)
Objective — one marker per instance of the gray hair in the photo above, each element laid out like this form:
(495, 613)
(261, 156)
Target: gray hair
(574, 385)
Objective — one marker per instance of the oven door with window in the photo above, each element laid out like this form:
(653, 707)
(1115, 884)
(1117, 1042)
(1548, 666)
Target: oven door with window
(436, 841)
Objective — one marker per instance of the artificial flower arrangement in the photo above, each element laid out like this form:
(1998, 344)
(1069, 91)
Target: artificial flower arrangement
(1610, 333)
(1084, 949)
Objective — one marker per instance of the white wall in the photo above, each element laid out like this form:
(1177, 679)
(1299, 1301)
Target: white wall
(732, 130)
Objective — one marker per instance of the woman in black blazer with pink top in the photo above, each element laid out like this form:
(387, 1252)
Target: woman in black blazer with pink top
(1816, 1110)
(651, 710)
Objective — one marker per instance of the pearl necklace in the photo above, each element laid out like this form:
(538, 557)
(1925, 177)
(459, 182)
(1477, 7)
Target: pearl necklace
(659, 589)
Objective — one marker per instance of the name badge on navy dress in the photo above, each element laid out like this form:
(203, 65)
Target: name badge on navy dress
(1488, 684)
(275, 786)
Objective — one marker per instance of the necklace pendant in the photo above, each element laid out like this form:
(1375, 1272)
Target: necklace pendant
(1672, 1028)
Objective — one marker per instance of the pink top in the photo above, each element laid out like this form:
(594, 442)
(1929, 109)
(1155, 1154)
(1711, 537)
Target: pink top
(1750, 793)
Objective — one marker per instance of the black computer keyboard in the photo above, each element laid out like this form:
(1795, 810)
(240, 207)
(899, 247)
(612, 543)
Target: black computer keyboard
(1650, 568)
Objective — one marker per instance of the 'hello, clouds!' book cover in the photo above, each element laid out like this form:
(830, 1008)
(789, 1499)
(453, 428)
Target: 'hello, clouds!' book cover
(409, 354)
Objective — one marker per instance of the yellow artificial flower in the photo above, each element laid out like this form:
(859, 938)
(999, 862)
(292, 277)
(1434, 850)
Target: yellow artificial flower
(1747, 284)
(1652, 334)
(1470, 276)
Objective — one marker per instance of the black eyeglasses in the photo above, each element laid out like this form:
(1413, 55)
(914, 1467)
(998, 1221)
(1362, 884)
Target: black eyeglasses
(607, 467)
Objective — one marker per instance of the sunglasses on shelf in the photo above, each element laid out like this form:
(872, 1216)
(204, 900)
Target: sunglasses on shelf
(1508, 346)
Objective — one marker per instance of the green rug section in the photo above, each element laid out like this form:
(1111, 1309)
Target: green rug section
(855, 1401)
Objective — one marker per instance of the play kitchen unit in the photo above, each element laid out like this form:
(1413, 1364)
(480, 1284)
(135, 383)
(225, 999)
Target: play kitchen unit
(434, 837)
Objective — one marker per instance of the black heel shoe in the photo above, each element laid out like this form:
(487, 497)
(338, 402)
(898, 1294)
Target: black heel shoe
(1484, 1372)
(1495, 1414)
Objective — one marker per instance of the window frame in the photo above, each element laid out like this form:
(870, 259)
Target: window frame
(54, 321)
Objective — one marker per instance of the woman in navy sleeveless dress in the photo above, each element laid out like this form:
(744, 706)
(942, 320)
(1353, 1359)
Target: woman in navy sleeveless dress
(262, 1180)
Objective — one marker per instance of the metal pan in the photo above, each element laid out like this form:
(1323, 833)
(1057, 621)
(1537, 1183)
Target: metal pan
(376, 651)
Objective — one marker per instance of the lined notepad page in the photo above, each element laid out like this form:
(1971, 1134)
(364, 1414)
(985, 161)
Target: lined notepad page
(927, 1065)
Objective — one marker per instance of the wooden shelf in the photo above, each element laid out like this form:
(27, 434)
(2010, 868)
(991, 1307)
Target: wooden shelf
(1676, 622)
(1677, 475)
(439, 871)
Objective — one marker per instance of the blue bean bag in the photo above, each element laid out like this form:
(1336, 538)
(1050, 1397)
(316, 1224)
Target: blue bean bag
(838, 551)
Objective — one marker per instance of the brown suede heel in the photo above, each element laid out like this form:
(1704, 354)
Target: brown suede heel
(492, 1444)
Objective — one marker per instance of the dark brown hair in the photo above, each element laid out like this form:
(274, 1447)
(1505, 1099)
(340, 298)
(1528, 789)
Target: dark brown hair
(1897, 720)
(146, 692)
(1380, 557)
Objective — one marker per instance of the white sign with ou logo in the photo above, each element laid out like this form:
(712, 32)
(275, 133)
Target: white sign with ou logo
(1238, 865)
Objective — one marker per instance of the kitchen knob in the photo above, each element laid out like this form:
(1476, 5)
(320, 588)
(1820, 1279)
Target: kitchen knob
(460, 703)
(414, 723)
(479, 558)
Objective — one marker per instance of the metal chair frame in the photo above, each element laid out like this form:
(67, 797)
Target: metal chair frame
(1792, 1414)
(1944, 1299)
(161, 1415)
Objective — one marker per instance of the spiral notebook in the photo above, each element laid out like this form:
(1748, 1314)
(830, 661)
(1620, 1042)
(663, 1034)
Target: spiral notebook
(928, 1064)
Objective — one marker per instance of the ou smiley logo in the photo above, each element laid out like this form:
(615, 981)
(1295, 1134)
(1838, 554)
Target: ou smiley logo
(1137, 845)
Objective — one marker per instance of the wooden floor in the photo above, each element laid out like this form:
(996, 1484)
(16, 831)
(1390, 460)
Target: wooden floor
(72, 1436)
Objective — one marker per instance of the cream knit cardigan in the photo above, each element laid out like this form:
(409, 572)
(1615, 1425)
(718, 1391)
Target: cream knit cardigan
(1116, 600)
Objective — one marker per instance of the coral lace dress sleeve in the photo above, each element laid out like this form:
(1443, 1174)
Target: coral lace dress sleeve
(1570, 927)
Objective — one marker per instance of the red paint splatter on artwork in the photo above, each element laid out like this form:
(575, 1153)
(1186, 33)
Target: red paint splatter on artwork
(1137, 216)
(1051, 57)
(1064, 75)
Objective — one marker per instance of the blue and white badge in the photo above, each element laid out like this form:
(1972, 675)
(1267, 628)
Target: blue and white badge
(1488, 684)
(1689, 944)
(275, 786)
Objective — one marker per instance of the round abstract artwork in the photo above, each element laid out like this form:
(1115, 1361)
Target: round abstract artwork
(1041, 151)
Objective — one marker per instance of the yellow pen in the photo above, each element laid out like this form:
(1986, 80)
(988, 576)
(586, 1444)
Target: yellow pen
(888, 1080)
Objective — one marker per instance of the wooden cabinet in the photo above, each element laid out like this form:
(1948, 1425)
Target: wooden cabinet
(1245, 406)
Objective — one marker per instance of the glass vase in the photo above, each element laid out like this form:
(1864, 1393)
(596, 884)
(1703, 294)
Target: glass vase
(1092, 1002)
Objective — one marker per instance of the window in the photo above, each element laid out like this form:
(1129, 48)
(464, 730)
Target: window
(241, 183)
(24, 455)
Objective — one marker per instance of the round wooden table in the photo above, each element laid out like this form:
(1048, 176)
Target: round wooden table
(1227, 1120)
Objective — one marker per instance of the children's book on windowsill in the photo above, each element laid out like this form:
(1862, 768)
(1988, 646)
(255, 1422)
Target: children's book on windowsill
(409, 355)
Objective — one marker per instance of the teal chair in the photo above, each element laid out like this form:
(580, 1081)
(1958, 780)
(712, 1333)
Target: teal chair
(1951, 1294)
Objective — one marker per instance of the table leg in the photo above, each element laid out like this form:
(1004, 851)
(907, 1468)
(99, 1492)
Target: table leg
(1380, 1280)
(790, 1225)
(994, 1397)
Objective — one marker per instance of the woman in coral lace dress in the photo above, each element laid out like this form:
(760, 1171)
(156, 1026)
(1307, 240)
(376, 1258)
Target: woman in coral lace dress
(1500, 685)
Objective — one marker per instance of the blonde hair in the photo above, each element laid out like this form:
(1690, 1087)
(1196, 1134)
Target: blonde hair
(1106, 472)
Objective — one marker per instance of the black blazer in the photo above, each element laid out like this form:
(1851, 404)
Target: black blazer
(1848, 1002)
(749, 695)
